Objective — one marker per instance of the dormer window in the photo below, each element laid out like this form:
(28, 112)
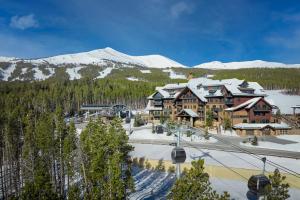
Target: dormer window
(245, 84)
(212, 92)
(199, 86)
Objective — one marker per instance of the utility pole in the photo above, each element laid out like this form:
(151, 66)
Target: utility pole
(178, 145)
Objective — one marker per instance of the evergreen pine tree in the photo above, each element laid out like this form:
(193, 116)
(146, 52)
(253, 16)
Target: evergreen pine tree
(194, 184)
(278, 190)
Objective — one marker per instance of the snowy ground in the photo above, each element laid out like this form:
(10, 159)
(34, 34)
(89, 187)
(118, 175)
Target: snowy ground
(8, 71)
(283, 101)
(213, 157)
(145, 132)
(224, 132)
(174, 75)
(39, 75)
(145, 71)
(132, 79)
(73, 72)
(295, 138)
(272, 145)
(238, 189)
(105, 72)
(239, 162)
(151, 184)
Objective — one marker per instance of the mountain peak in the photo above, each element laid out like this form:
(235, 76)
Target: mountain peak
(245, 64)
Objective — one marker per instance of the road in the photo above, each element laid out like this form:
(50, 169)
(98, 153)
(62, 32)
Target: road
(225, 143)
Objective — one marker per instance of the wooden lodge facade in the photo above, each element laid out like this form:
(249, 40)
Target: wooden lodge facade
(239, 101)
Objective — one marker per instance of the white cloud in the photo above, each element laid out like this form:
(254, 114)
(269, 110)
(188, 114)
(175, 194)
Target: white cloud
(24, 22)
(180, 8)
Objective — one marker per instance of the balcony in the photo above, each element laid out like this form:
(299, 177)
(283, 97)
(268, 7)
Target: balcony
(157, 103)
(261, 109)
(179, 103)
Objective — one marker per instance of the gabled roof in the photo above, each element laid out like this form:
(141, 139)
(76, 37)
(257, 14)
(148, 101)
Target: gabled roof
(164, 90)
(232, 85)
(190, 112)
(249, 104)
(194, 91)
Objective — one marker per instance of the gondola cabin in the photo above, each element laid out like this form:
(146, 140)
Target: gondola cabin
(258, 183)
(178, 155)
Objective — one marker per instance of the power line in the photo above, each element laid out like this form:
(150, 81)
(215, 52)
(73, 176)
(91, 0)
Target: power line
(289, 171)
(227, 167)
(259, 157)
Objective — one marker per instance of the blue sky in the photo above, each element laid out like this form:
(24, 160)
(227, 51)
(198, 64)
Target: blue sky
(190, 32)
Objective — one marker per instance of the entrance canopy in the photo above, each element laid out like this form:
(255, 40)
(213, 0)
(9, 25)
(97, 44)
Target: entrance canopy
(187, 113)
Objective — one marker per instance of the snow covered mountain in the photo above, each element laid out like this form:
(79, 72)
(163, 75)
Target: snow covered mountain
(105, 62)
(100, 56)
(7, 59)
(246, 64)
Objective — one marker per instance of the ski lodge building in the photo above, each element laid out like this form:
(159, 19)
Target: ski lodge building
(243, 103)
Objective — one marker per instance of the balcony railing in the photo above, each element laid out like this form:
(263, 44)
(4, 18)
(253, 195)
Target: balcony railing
(261, 109)
(158, 103)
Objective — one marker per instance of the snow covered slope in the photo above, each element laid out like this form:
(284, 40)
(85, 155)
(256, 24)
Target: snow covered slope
(7, 59)
(157, 61)
(245, 64)
(91, 57)
(100, 56)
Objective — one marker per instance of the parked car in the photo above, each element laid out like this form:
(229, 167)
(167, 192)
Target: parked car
(173, 144)
(159, 129)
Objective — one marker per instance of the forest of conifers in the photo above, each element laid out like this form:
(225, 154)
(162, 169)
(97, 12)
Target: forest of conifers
(38, 149)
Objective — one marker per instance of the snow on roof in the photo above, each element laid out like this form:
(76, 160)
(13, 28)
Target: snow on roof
(198, 93)
(202, 92)
(231, 85)
(190, 112)
(261, 125)
(248, 104)
(175, 86)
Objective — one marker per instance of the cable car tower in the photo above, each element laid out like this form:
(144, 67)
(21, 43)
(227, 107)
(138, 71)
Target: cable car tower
(178, 154)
